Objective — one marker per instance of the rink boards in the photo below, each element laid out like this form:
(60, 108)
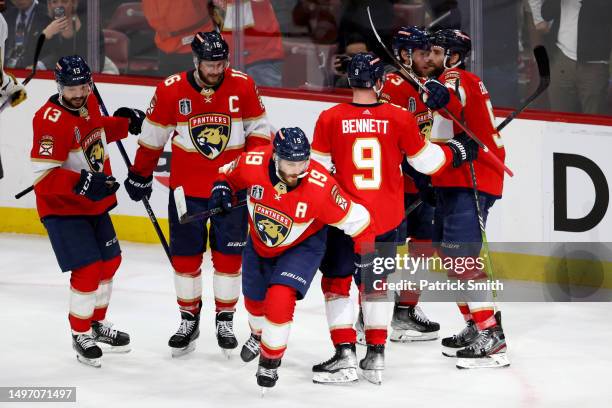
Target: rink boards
(559, 194)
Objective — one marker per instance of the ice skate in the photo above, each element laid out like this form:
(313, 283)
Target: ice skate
(111, 340)
(225, 332)
(87, 350)
(250, 349)
(267, 373)
(340, 369)
(467, 336)
(183, 341)
(409, 323)
(373, 365)
(488, 351)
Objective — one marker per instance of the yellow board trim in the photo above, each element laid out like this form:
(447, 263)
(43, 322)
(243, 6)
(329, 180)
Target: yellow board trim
(128, 228)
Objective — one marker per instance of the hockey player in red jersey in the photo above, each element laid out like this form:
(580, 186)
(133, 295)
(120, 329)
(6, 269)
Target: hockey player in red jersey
(75, 190)
(213, 113)
(456, 220)
(366, 141)
(411, 47)
(291, 199)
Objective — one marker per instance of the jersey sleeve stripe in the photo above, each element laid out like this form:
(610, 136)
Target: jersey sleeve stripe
(429, 160)
(355, 221)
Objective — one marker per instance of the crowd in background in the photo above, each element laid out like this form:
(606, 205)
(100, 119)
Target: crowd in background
(302, 43)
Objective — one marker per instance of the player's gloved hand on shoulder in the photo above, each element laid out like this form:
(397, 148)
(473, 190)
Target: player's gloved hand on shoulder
(437, 95)
(220, 197)
(11, 90)
(464, 149)
(138, 186)
(95, 186)
(135, 116)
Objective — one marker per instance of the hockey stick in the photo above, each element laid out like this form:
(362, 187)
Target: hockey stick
(37, 50)
(409, 75)
(541, 57)
(145, 200)
(181, 208)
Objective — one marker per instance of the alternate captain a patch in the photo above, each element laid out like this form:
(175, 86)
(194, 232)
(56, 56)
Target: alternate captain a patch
(272, 226)
(93, 148)
(210, 133)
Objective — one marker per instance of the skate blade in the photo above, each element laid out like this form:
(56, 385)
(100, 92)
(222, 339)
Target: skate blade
(115, 349)
(373, 376)
(179, 352)
(493, 361)
(227, 353)
(340, 377)
(407, 336)
(263, 391)
(92, 362)
(449, 351)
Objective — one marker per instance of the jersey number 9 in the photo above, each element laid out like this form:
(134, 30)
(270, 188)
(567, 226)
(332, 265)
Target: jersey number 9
(367, 156)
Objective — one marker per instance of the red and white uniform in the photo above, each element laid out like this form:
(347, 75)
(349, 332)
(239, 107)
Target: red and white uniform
(366, 145)
(207, 130)
(400, 92)
(281, 221)
(470, 102)
(64, 144)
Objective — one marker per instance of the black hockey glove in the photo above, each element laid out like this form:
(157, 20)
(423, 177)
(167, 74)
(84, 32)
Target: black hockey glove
(95, 186)
(464, 149)
(437, 96)
(138, 186)
(135, 116)
(220, 196)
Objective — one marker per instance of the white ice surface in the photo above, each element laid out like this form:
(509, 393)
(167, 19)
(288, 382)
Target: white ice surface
(560, 352)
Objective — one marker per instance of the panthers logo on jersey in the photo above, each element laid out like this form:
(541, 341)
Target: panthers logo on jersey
(93, 148)
(210, 133)
(272, 226)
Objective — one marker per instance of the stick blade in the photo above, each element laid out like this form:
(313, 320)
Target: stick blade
(181, 203)
(541, 57)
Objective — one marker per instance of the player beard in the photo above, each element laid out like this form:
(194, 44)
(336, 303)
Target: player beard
(75, 103)
(290, 179)
(210, 80)
(436, 71)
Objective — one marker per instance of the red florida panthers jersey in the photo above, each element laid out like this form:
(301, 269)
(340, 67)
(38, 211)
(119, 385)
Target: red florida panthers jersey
(470, 102)
(65, 142)
(209, 127)
(280, 218)
(400, 92)
(366, 145)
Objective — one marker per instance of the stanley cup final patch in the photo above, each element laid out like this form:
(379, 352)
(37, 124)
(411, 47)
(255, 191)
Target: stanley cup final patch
(210, 133)
(185, 106)
(93, 149)
(271, 225)
(256, 192)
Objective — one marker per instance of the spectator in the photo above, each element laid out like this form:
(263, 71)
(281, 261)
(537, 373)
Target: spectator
(72, 40)
(356, 43)
(262, 52)
(174, 27)
(318, 16)
(579, 42)
(26, 21)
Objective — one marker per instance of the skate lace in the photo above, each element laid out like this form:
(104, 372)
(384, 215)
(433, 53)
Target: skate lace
(267, 372)
(86, 341)
(481, 340)
(420, 316)
(107, 330)
(463, 333)
(186, 327)
(252, 344)
(226, 329)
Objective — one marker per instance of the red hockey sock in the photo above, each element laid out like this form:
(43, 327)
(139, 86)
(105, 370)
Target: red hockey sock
(105, 287)
(278, 311)
(83, 285)
(188, 282)
(339, 309)
(484, 317)
(465, 311)
(255, 309)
